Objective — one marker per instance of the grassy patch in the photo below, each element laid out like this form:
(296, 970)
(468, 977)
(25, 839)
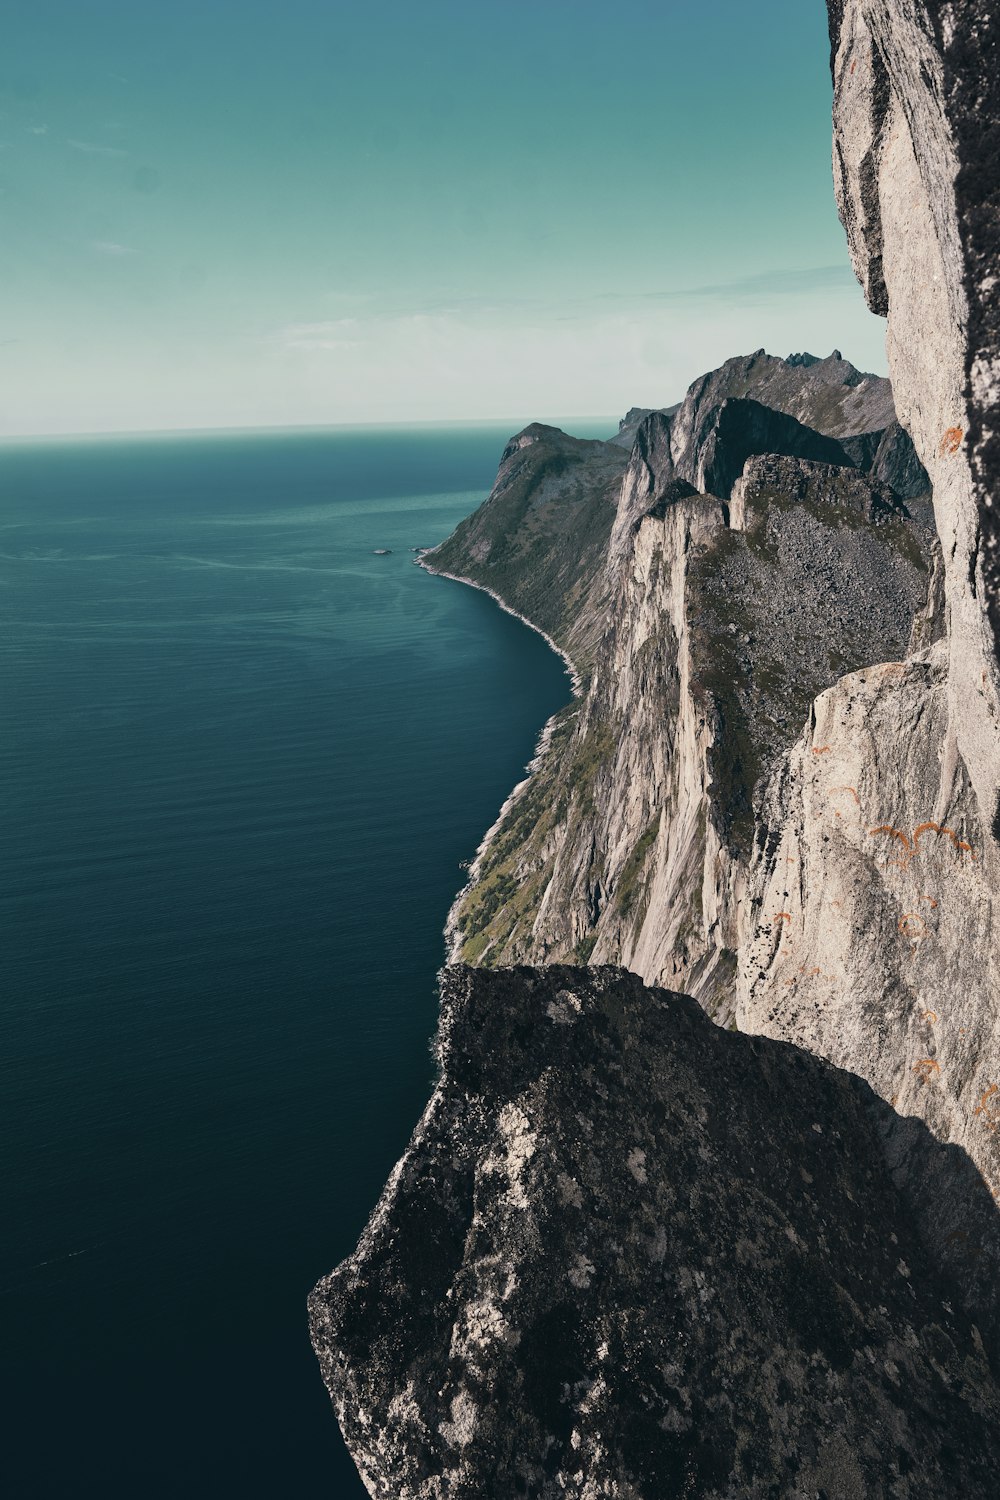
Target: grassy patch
(628, 890)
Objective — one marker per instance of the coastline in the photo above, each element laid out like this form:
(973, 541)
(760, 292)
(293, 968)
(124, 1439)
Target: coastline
(508, 609)
(453, 939)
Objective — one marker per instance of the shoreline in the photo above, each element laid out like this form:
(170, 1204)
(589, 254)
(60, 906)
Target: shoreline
(452, 937)
(575, 679)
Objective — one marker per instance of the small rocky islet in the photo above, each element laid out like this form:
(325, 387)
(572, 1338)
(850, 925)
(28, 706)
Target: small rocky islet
(704, 1202)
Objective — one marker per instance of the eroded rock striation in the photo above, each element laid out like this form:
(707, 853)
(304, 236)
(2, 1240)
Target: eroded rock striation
(629, 1253)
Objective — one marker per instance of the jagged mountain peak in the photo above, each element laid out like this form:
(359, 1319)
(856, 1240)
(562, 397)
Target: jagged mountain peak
(830, 395)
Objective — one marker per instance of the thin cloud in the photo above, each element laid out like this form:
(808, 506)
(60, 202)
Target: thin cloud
(324, 335)
(795, 281)
(36, 130)
(111, 247)
(90, 149)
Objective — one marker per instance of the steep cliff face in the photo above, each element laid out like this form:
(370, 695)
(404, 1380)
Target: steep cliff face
(723, 617)
(540, 540)
(872, 928)
(631, 1254)
(916, 113)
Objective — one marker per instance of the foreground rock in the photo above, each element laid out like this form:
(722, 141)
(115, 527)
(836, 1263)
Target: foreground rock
(631, 1254)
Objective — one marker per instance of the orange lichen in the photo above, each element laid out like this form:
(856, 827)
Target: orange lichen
(895, 833)
(912, 925)
(853, 791)
(783, 916)
(918, 833)
(925, 1066)
(929, 899)
(930, 1016)
(821, 749)
(950, 833)
(951, 441)
(990, 1111)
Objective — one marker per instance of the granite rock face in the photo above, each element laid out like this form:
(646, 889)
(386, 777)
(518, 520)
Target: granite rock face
(631, 1254)
(871, 929)
(916, 131)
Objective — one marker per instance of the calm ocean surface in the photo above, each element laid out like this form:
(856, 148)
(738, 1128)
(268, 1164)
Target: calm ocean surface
(241, 759)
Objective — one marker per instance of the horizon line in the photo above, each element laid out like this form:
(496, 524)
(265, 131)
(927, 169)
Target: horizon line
(407, 424)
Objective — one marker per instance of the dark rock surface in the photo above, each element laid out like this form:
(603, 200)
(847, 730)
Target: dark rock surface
(631, 1254)
(739, 428)
(829, 395)
(825, 574)
(896, 464)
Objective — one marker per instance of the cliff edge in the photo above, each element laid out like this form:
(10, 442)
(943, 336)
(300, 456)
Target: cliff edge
(628, 1253)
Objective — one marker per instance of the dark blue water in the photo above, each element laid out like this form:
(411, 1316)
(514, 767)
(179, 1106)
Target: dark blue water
(241, 760)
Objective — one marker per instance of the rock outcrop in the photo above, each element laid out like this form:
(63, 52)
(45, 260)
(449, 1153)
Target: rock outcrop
(629, 1253)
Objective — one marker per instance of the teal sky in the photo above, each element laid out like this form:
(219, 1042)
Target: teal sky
(235, 212)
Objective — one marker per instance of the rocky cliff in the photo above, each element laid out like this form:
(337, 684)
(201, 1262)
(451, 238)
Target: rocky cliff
(628, 1252)
(872, 926)
(748, 561)
(631, 1254)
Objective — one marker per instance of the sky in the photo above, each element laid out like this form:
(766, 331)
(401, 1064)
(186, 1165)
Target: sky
(227, 213)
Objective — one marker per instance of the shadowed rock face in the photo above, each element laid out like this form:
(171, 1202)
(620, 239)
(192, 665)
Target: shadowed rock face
(739, 429)
(631, 1254)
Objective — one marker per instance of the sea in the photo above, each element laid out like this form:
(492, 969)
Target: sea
(242, 761)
